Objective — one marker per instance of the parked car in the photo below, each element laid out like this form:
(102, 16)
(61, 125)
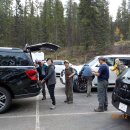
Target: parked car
(121, 93)
(94, 64)
(77, 70)
(59, 66)
(18, 76)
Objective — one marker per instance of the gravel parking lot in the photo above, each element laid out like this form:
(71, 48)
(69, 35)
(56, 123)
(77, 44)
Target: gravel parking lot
(34, 114)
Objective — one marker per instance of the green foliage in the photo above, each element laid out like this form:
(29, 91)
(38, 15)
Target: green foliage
(87, 24)
(122, 22)
(95, 23)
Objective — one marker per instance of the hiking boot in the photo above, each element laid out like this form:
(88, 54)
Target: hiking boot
(105, 108)
(99, 109)
(70, 102)
(65, 101)
(44, 98)
(53, 107)
(88, 95)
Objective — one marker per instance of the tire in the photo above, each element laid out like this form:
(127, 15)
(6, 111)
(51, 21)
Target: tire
(80, 88)
(5, 100)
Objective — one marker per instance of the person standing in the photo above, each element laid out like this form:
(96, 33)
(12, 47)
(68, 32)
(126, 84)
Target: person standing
(115, 67)
(103, 77)
(42, 69)
(86, 73)
(118, 67)
(69, 73)
(50, 79)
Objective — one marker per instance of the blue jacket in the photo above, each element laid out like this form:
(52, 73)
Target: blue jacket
(86, 71)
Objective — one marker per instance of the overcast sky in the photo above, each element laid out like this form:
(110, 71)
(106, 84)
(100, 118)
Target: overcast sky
(113, 6)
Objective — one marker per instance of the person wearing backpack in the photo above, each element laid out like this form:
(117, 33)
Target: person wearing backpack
(118, 67)
(69, 73)
(86, 73)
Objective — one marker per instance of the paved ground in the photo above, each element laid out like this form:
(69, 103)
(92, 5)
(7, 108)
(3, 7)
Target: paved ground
(34, 114)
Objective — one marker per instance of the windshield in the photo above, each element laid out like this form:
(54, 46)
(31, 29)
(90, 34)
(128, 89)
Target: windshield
(128, 73)
(92, 61)
(58, 63)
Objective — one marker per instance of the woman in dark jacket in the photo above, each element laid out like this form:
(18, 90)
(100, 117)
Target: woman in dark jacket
(50, 79)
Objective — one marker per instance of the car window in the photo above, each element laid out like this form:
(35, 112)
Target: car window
(128, 73)
(110, 61)
(15, 59)
(125, 61)
(58, 63)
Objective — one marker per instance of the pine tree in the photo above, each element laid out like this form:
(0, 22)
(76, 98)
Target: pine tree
(72, 20)
(19, 37)
(47, 19)
(128, 19)
(86, 13)
(102, 25)
(6, 22)
(95, 24)
(122, 20)
(76, 28)
(59, 23)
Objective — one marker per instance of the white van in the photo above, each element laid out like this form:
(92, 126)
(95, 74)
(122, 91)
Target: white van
(110, 60)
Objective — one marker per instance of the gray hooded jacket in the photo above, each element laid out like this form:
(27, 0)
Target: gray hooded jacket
(51, 75)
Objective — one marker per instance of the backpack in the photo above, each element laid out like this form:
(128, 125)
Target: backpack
(121, 68)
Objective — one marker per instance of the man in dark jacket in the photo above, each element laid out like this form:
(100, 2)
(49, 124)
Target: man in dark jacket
(50, 79)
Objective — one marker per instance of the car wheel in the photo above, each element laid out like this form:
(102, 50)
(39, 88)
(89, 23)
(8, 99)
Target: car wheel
(5, 100)
(80, 87)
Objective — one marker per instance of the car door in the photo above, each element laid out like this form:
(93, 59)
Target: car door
(110, 62)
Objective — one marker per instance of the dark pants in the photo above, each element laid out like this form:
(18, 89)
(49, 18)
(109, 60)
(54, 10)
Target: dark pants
(43, 90)
(102, 93)
(42, 86)
(51, 89)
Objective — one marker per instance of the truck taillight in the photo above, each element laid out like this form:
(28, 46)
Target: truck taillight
(32, 74)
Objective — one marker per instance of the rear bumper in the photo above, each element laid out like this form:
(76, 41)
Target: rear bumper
(33, 92)
(116, 100)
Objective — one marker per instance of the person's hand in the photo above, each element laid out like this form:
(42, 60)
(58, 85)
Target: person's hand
(68, 77)
(43, 81)
(93, 72)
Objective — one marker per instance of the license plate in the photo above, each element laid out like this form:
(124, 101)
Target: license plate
(123, 107)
